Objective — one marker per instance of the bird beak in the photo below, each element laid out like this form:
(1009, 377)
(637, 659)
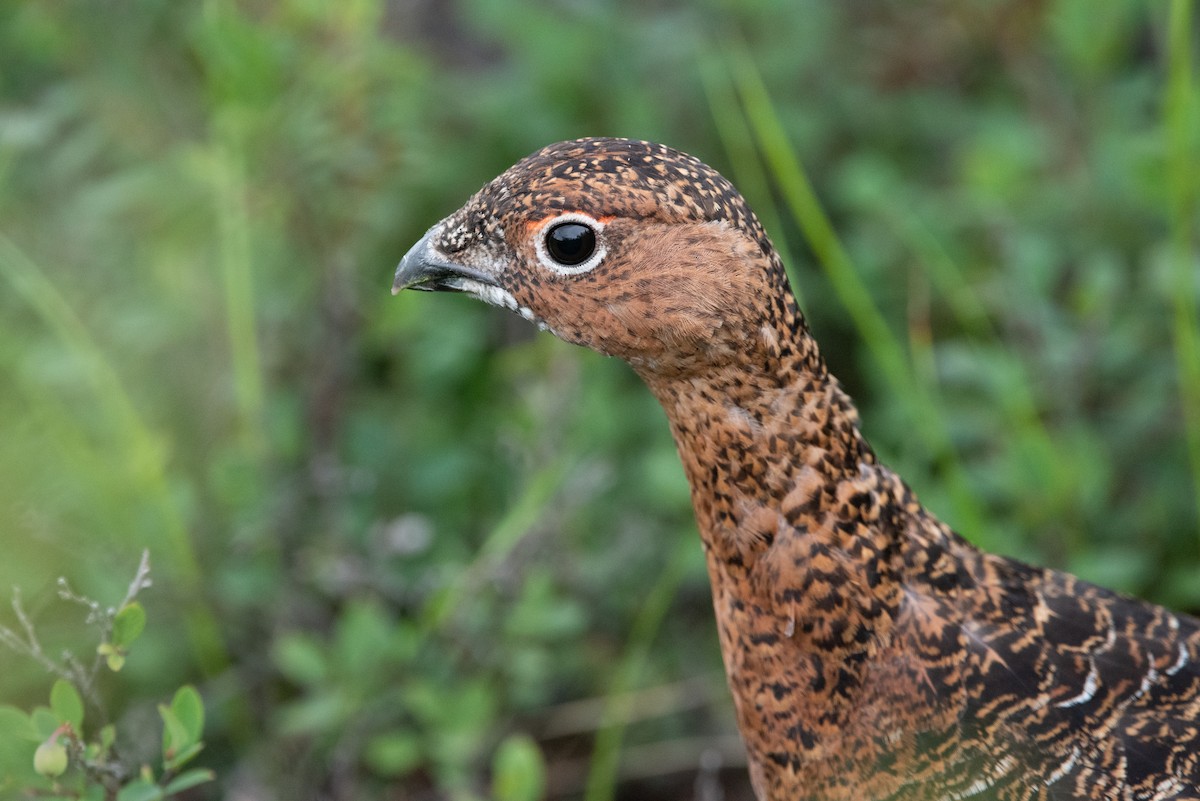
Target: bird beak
(425, 269)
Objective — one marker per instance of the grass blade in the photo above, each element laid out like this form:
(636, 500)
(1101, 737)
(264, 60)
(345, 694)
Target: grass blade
(749, 172)
(602, 776)
(237, 276)
(886, 349)
(1180, 112)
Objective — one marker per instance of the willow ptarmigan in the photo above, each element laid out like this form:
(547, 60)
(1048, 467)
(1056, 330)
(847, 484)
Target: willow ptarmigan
(872, 653)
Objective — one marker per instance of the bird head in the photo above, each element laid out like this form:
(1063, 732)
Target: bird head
(629, 248)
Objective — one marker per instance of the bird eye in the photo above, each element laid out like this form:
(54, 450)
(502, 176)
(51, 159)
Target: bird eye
(570, 243)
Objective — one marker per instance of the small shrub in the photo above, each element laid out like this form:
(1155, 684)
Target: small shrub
(57, 752)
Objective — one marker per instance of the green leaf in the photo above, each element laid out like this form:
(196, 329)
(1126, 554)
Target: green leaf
(183, 757)
(323, 711)
(518, 770)
(18, 743)
(15, 723)
(128, 624)
(361, 642)
(189, 710)
(113, 656)
(140, 790)
(175, 736)
(183, 723)
(66, 704)
(394, 754)
(190, 779)
(45, 722)
(300, 659)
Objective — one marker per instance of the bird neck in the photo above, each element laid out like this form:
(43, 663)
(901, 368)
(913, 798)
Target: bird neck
(763, 439)
(806, 538)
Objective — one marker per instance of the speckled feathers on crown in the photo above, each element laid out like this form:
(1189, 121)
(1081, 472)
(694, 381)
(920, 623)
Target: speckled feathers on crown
(604, 177)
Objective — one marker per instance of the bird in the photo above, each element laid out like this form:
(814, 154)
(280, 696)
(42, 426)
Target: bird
(872, 652)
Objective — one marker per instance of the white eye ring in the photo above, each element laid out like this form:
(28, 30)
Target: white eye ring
(588, 264)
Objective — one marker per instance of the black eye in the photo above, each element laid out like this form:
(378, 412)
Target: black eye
(570, 243)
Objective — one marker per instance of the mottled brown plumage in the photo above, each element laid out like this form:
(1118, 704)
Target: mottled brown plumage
(872, 653)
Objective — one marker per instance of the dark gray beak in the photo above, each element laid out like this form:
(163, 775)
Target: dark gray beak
(425, 269)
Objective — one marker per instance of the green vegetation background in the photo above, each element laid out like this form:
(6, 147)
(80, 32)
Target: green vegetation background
(390, 533)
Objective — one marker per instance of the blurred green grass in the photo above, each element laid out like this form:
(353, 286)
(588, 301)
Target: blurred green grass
(395, 530)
